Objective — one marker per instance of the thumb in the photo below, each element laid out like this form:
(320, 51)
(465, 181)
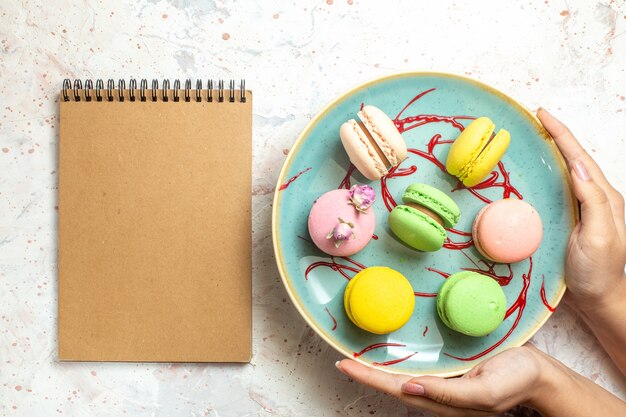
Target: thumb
(455, 392)
(595, 209)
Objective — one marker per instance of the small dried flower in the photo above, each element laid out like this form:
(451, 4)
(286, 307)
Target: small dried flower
(341, 232)
(362, 197)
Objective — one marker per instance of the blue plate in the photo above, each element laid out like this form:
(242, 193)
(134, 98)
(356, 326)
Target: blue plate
(430, 109)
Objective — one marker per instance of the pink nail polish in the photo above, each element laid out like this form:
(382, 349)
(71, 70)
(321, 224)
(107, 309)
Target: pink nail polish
(581, 171)
(412, 388)
(544, 110)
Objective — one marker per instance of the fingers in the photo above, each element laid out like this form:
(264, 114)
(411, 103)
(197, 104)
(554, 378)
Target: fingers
(566, 142)
(596, 215)
(379, 380)
(457, 392)
(392, 384)
(574, 155)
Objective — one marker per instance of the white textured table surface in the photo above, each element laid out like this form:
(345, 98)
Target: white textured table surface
(569, 57)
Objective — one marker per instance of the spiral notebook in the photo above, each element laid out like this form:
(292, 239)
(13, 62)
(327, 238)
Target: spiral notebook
(155, 222)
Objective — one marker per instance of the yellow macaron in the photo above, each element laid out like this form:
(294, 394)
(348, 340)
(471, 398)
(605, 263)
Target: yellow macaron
(476, 152)
(379, 300)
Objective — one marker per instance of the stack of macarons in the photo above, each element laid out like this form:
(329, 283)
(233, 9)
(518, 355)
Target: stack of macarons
(341, 222)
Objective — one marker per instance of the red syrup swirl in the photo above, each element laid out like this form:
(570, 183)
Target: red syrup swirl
(345, 183)
(376, 346)
(333, 319)
(375, 237)
(542, 292)
(292, 179)
(341, 268)
(490, 182)
(425, 331)
(489, 270)
(449, 244)
(445, 275)
(425, 294)
(394, 172)
(394, 361)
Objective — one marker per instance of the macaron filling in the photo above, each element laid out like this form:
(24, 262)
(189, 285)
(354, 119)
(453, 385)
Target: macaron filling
(482, 154)
(435, 201)
(426, 211)
(378, 139)
(375, 143)
(412, 210)
(373, 150)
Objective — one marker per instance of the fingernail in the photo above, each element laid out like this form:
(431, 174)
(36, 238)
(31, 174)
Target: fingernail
(412, 388)
(540, 109)
(338, 365)
(581, 171)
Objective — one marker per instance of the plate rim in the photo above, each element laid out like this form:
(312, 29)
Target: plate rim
(311, 124)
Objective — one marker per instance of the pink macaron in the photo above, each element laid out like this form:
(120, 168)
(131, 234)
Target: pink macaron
(507, 231)
(341, 222)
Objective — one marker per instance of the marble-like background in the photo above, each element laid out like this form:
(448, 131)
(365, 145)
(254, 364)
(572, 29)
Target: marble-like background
(569, 56)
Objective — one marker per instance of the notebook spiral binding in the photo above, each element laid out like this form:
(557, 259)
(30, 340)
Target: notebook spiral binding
(76, 91)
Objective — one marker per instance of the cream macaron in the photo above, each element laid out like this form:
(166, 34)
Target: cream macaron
(374, 145)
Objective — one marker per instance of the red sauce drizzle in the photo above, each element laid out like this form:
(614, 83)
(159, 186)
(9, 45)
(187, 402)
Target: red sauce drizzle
(449, 244)
(333, 319)
(345, 183)
(490, 182)
(425, 294)
(375, 237)
(394, 361)
(292, 179)
(394, 172)
(445, 275)
(425, 331)
(543, 294)
(422, 119)
(376, 346)
(489, 270)
(356, 267)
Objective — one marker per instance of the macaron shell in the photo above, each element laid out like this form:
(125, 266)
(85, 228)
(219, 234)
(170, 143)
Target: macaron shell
(482, 166)
(475, 305)
(385, 132)
(346, 296)
(324, 216)
(434, 200)
(416, 229)
(468, 145)
(361, 152)
(380, 300)
(508, 230)
(443, 292)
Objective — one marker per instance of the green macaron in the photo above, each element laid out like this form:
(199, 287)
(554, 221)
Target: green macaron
(420, 221)
(471, 303)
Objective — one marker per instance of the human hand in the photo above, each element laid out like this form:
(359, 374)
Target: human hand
(516, 376)
(594, 269)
